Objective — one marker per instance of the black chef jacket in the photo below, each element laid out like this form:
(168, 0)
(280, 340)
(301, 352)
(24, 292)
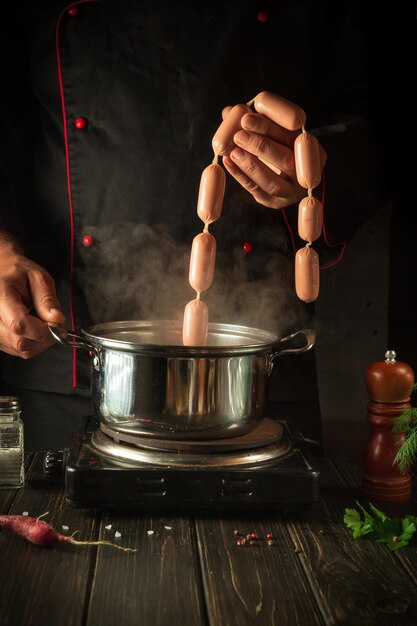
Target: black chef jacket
(107, 116)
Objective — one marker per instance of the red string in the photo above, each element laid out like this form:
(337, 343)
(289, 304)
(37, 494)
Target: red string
(290, 229)
(328, 244)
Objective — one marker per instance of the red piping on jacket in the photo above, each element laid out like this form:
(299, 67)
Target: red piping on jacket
(68, 174)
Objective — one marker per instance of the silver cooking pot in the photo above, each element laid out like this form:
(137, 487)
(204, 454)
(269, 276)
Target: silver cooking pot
(145, 382)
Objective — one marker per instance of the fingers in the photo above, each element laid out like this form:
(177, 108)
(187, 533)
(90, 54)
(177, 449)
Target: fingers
(15, 317)
(266, 185)
(226, 111)
(44, 297)
(24, 348)
(25, 284)
(283, 190)
(266, 149)
(264, 126)
(21, 334)
(263, 161)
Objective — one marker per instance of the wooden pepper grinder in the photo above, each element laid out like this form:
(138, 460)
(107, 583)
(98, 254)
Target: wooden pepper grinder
(389, 384)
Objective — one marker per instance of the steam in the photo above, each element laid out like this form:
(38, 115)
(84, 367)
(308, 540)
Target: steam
(139, 272)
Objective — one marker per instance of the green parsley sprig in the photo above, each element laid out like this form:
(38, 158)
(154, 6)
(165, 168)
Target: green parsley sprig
(395, 533)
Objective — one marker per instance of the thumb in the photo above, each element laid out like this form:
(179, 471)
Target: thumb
(55, 315)
(44, 297)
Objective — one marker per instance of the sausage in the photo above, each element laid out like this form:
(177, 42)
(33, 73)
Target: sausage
(222, 141)
(195, 324)
(307, 274)
(279, 110)
(310, 216)
(203, 257)
(211, 193)
(307, 160)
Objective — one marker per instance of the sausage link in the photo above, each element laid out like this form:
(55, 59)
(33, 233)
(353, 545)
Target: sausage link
(307, 160)
(211, 193)
(307, 274)
(203, 257)
(279, 110)
(222, 141)
(195, 324)
(310, 215)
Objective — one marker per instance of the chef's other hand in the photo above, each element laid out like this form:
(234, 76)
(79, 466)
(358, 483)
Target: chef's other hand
(263, 161)
(24, 285)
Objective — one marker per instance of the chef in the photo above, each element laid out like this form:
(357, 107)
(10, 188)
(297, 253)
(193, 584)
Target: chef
(107, 115)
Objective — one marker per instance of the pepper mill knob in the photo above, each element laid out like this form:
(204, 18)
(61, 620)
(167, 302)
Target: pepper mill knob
(389, 384)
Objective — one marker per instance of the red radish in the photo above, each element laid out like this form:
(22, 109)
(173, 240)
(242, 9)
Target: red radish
(41, 533)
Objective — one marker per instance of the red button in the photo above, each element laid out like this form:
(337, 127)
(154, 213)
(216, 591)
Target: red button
(247, 247)
(80, 123)
(262, 17)
(87, 241)
(73, 11)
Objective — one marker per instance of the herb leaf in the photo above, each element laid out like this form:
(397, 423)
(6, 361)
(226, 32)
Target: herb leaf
(353, 521)
(395, 533)
(378, 513)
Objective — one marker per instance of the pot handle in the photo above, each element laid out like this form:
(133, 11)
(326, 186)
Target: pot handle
(67, 338)
(280, 349)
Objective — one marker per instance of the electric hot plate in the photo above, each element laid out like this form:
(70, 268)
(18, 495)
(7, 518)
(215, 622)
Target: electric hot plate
(269, 468)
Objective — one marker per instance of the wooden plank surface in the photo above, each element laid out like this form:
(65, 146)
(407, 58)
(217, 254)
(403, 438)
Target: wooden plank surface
(192, 572)
(355, 582)
(352, 474)
(41, 585)
(6, 498)
(160, 585)
(257, 584)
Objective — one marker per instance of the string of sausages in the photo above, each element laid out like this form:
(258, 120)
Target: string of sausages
(210, 203)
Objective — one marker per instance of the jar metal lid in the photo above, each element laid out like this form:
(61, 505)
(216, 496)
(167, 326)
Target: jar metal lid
(9, 404)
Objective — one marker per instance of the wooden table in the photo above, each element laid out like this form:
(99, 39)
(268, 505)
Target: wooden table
(191, 572)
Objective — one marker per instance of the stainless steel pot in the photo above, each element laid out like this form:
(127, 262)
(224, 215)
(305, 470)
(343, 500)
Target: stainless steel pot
(145, 382)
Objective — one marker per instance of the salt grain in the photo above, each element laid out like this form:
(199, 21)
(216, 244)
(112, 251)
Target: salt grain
(117, 534)
(25, 513)
(168, 527)
(65, 527)
(150, 532)
(108, 527)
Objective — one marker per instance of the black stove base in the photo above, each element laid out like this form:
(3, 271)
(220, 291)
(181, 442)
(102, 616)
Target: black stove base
(92, 480)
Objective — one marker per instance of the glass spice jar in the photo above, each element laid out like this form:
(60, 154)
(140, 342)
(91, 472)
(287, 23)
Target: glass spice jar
(12, 469)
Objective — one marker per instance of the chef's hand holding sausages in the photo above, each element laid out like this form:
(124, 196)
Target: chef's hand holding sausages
(279, 164)
(276, 164)
(25, 287)
(261, 158)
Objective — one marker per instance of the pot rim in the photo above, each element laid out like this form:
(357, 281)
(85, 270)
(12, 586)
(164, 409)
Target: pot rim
(242, 339)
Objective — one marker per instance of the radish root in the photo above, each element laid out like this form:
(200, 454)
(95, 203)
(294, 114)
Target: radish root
(41, 533)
